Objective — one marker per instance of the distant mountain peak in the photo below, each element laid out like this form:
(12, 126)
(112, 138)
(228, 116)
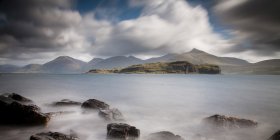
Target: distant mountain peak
(194, 50)
(131, 56)
(64, 64)
(94, 61)
(64, 57)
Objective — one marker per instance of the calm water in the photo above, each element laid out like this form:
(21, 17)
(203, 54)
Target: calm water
(152, 103)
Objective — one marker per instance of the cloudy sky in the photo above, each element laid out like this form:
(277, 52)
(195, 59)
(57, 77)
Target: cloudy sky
(36, 31)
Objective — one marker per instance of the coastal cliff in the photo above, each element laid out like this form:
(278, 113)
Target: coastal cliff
(177, 67)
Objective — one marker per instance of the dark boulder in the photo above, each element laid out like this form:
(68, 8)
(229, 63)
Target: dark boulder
(222, 121)
(122, 131)
(95, 104)
(15, 112)
(111, 114)
(17, 97)
(275, 136)
(164, 135)
(52, 136)
(66, 102)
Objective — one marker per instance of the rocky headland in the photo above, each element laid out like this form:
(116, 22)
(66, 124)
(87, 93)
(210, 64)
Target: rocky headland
(178, 67)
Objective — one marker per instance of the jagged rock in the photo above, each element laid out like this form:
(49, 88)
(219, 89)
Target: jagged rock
(52, 136)
(275, 136)
(122, 131)
(15, 112)
(94, 104)
(222, 121)
(111, 114)
(66, 102)
(164, 135)
(17, 97)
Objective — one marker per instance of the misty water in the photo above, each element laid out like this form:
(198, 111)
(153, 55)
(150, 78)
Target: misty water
(152, 103)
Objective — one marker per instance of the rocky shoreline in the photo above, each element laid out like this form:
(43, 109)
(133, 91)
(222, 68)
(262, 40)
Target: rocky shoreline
(18, 110)
(177, 67)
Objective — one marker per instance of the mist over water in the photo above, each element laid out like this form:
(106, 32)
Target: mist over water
(152, 103)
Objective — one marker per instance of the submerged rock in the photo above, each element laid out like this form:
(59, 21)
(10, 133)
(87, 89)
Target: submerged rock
(53, 114)
(111, 114)
(15, 112)
(222, 121)
(122, 131)
(275, 136)
(164, 135)
(95, 104)
(199, 137)
(66, 102)
(17, 97)
(52, 136)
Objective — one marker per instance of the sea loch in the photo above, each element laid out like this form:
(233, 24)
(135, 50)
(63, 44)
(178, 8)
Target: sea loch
(152, 103)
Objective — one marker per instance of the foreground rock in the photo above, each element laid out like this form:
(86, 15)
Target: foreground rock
(15, 112)
(122, 131)
(164, 135)
(111, 114)
(95, 104)
(17, 97)
(222, 121)
(66, 102)
(275, 136)
(52, 136)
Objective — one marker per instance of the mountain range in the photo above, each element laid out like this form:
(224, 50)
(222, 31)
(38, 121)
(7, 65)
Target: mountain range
(66, 64)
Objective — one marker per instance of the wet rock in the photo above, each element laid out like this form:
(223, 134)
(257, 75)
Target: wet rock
(15, 112)
(199, 137)
(53, 114)
(164, 135)
(52, 136)
(17, 97)
(111, 114)
(222, 121)
(122, 131)
(73, 134)
(95, 104)
(66, 102)
(275, 136)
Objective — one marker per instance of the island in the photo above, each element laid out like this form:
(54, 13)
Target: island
(177, 67)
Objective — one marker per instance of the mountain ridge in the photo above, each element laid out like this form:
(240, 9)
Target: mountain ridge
(229, 65)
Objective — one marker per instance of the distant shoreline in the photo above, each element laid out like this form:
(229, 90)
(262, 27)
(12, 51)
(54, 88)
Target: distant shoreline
(177, 67)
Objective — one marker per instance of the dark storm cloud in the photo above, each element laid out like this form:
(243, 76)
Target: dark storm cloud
(44, 29)
(30, 26)
(257, 23)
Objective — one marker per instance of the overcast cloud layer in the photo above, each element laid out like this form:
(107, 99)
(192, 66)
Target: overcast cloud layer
(255, 26)
(39, 30)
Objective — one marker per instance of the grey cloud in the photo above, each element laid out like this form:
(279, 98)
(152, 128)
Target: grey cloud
(34, 26)
(165, 26)
(257, 23)
(44, 29)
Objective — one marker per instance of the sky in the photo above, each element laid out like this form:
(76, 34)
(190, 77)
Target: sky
(37, 31)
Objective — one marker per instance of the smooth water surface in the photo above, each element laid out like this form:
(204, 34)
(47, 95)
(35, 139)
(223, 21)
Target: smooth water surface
(152, 103)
